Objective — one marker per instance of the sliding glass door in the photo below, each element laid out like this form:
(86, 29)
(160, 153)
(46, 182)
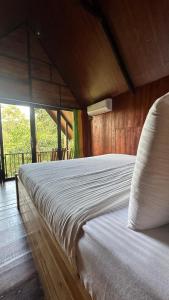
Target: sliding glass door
(33, 135)
(15, 138)
(54, 134)
(46, 135)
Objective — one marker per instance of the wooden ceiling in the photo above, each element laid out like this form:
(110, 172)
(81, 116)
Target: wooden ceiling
(142, 31)
(77, 44)
(12, 13)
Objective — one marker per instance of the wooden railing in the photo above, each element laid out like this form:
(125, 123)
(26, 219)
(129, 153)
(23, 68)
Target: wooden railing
(12, 161)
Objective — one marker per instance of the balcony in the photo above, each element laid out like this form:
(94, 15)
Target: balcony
(12, 161)
(48, 136)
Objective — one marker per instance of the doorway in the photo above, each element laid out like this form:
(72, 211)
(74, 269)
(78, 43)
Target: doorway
(15, 122)
(33, 135)
(46, 136)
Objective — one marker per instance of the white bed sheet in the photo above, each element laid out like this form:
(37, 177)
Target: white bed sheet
(69, 193)
(116, 263)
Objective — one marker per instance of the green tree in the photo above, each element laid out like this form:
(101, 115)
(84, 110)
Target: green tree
(46, 131)
(16, 137)
(16, 130)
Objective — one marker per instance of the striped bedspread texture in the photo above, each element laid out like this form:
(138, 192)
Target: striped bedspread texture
(69, 193)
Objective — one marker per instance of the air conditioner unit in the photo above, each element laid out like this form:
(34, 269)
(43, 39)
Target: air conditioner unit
(100, 107)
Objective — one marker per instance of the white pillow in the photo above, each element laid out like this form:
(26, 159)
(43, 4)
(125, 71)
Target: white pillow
(149, 198)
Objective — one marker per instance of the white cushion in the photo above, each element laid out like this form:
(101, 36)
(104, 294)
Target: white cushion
(149, 198)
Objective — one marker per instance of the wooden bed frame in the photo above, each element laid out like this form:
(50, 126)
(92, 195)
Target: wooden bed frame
(59, 279)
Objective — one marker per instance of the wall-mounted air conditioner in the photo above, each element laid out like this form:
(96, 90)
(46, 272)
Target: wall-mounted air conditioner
(100, 107)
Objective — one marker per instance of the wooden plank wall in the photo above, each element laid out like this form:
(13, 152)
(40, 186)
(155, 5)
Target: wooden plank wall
(119, 131)
(48, 87)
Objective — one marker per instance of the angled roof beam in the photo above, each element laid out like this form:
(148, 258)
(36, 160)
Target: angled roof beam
(53, 115)
(94, 8)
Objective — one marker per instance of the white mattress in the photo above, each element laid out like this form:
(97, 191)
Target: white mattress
(116, 263)
(69, 193)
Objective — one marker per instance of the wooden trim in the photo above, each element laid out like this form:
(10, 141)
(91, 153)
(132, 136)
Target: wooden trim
(34, 104)
(59, 279)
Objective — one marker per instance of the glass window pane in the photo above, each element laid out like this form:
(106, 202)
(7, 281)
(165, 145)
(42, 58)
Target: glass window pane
(16, 137)
(46, 135)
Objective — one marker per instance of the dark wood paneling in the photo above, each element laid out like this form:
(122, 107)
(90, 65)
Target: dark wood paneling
(45, 92)
(13, 68)
(16, 74)
(119, 131)
(56, 76)
(141, 29)
(37, 51)
(40, 70)
(12, 89)
(80, 48)
(14, 44)
(67, 98)
(12, 13)
(78, 45)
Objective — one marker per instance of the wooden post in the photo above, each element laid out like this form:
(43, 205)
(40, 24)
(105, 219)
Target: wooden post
(32, 110)
(86, 134)
(2, 148)
(59, 135)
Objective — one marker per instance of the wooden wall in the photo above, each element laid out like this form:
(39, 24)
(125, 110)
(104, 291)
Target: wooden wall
(48, 87)
(119, 131)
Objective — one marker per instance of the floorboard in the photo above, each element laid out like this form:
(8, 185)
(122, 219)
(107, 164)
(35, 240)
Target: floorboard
(18, 276)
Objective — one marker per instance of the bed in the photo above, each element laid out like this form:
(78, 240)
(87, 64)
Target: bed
(75, 213)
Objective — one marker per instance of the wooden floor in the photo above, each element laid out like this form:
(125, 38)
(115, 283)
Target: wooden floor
(18, 276)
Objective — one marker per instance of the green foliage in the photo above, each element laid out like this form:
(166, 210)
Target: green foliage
(46, 131)
(16, 130)
(17, 139)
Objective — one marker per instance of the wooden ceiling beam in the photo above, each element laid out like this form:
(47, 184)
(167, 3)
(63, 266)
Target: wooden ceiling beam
(53, 115)
(94, 8)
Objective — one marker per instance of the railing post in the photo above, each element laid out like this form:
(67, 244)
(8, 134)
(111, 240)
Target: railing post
(23, 158)
(32, 110)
